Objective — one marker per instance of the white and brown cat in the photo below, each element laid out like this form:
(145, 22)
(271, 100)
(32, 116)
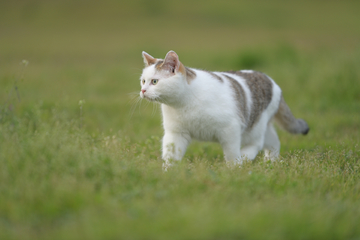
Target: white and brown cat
(235, 109)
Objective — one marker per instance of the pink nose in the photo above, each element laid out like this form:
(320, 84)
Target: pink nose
(143, 91)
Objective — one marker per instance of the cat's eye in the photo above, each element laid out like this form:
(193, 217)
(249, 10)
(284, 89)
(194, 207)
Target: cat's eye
(154, 81)
(143, 81)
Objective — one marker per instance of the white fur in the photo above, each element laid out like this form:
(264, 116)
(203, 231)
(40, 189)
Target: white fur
(247, 71)
(205, 109)
(262, 134)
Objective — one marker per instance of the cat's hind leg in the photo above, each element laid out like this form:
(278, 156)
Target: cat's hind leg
(250, 152)
(254, 140)
(271, 144)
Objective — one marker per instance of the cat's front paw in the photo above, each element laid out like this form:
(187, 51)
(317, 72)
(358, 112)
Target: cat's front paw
(237, 163)
(166, 165)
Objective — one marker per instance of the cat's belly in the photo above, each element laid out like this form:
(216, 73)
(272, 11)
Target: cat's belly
(203, 134)
(204, 129)
(199, 124)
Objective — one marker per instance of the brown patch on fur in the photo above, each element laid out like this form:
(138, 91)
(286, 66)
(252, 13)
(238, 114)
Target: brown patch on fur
(239, 97)
(214, 76)
(261, 90)
(187, 72)
(190, 75)
(286, 119)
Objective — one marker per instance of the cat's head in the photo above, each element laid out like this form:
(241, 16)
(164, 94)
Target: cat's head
(163, 80)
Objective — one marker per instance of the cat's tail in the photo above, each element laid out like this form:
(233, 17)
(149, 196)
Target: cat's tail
(286, 120)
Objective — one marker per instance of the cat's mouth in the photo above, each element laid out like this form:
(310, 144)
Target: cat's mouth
(151, 99)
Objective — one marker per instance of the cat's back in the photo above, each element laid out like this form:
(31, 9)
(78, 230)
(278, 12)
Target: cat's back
(217, 99)
(250, 94)
(263, 94)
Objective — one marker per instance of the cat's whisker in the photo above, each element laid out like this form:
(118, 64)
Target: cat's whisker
(140, 102)
(162, 100)
(132, 94)
(157, 107)
(133, 97)
(153, 110)
(134, 105)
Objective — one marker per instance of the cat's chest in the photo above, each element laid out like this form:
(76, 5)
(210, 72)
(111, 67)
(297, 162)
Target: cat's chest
(199, 123)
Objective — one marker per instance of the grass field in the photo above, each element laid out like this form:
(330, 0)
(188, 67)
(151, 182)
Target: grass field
(80, 156)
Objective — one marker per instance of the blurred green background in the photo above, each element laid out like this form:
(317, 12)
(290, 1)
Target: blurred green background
(91, 50)
(93, 170)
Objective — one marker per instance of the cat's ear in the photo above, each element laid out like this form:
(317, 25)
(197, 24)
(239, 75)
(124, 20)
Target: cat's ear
(171, 62)
(148, 60)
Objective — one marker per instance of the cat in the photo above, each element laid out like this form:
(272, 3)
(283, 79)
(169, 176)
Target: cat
(234, 108)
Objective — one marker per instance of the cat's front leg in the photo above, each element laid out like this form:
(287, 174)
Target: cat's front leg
(174, 147)
(232, 153)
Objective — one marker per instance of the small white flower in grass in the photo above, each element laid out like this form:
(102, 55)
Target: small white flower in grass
(250, 172)
(25, 62)
(81, 103)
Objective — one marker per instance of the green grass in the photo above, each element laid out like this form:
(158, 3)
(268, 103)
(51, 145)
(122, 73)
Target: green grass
(95, 173)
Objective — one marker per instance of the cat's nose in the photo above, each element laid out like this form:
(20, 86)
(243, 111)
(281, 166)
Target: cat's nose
(143, 91)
